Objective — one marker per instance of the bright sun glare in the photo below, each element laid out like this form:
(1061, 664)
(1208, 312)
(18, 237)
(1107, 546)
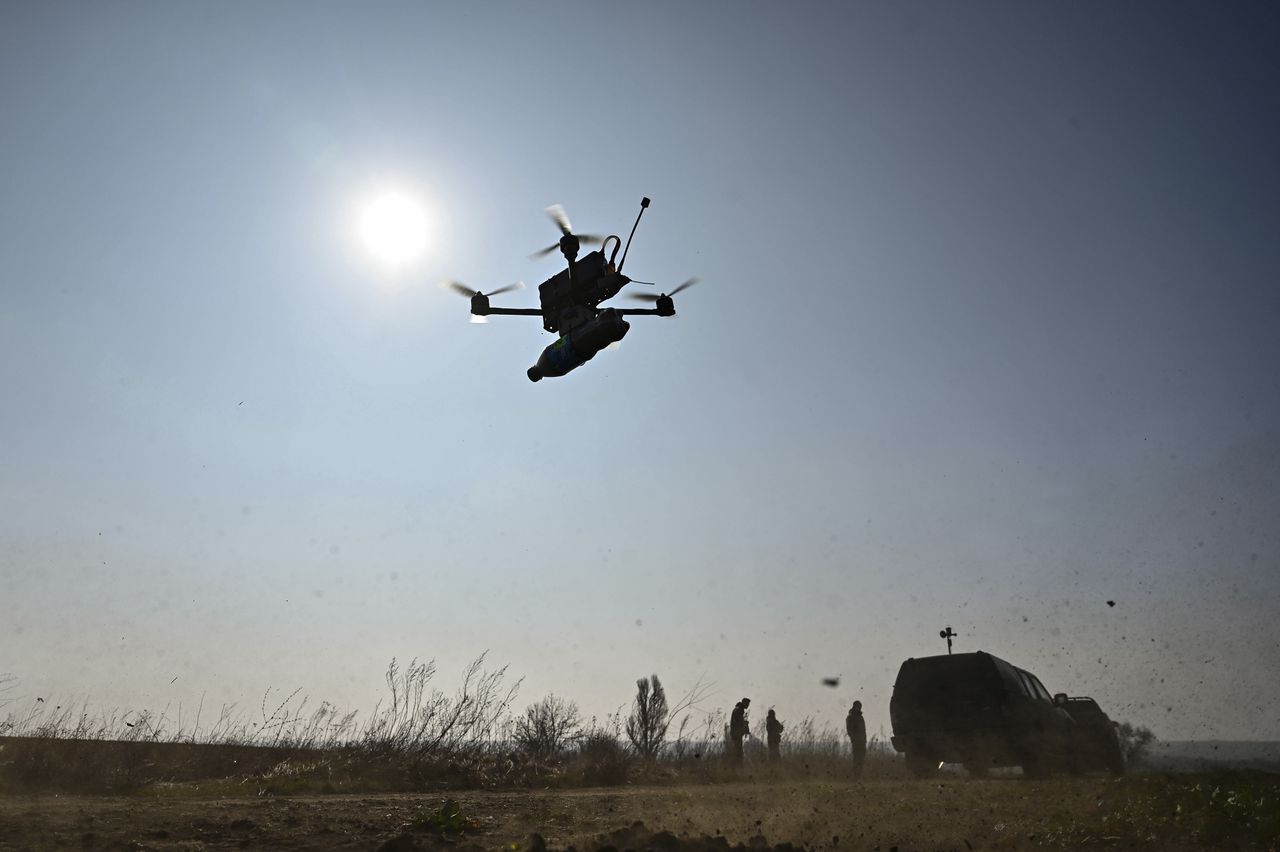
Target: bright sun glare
(394, 228)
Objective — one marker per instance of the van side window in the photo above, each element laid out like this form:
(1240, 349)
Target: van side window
(1013, 683)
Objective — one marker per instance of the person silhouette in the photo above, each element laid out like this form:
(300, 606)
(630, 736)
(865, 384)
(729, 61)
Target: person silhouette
(856, 727)
(773, 729)
(738, 729)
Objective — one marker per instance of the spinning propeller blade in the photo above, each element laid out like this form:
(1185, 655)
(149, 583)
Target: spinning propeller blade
(473, 295)
(649, 297)
(519, 285)
(460, 288)
(463, 289)
(557, 215)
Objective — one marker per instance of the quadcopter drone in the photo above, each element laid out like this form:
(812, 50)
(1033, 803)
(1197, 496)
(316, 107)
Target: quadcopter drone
(571, 299)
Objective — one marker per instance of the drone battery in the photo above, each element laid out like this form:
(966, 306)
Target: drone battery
(557, 291)
(590, 266)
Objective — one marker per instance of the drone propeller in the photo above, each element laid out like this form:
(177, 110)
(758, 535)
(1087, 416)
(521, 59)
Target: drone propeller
(463, 289)
(649, 297)
(479, 301)
(557, 214)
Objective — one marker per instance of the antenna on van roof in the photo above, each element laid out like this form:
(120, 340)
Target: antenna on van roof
(948, 634)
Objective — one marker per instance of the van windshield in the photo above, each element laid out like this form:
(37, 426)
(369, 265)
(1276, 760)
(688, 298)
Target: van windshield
(1038, 687)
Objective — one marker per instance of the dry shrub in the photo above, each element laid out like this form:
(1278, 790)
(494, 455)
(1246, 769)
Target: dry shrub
(548, 727)
(1135, 742)
(429, 723)
(601, 759)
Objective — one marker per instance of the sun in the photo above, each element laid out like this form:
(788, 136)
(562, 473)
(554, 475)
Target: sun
(394, 228)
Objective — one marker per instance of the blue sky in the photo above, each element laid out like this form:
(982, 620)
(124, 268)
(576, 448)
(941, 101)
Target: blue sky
(986, 337)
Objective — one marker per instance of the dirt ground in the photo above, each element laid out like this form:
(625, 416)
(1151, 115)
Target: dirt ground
(946, 814)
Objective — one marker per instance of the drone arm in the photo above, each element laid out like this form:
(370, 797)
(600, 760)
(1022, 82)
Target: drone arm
(635, 312)
(512, 312)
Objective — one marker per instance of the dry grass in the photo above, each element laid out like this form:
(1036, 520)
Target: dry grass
(418, 738)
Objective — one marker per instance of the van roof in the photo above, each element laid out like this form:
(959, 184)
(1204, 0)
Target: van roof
(952, 656)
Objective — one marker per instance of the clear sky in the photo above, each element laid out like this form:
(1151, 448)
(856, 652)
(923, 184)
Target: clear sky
(987, 336)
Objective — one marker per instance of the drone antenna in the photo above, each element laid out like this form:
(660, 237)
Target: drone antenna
(644, 204)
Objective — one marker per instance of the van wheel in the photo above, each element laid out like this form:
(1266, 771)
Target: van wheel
(1115, 762)
(921, 764)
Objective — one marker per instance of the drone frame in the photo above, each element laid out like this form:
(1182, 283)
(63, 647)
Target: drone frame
(570, 305)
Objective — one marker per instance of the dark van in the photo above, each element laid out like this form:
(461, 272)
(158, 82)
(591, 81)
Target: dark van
(978, 710)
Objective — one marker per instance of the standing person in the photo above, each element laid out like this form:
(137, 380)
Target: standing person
(738, 729)
(773, 728)
(856, 727)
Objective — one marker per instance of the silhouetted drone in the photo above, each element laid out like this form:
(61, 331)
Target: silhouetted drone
(571, 299)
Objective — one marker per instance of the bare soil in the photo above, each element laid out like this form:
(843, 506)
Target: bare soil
(944, 814)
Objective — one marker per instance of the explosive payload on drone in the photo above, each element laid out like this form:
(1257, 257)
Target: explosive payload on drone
(570, 299)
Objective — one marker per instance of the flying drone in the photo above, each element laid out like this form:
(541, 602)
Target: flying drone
(571, 299)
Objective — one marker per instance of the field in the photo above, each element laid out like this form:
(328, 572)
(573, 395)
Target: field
(1235, 810)
(428, 771)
